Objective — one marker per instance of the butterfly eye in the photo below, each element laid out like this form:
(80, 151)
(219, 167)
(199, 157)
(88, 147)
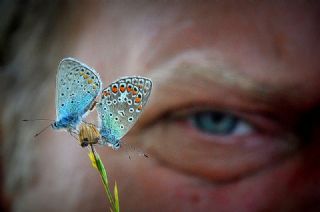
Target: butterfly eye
(116, 146)
(84, 144)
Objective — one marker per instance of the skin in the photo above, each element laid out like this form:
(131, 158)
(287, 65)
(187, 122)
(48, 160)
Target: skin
(257, 61)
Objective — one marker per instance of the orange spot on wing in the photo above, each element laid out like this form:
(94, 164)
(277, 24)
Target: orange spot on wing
(114, 89)
(122, 89)
(129, 87)
(105, 93)
(137, 100)
(85, 76)
(134, 91)
(140, 107)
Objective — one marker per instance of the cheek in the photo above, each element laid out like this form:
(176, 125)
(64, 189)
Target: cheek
(293, 183)
(150, 184)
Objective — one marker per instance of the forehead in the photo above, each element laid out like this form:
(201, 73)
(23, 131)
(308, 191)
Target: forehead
(245, 33)
(264, 31)
(276, 43)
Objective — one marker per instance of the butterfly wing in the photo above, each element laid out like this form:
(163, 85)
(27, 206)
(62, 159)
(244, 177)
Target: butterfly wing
(120, 107)
(77, 87)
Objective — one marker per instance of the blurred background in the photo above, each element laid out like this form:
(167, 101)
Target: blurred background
(32, 42)
(235, 128)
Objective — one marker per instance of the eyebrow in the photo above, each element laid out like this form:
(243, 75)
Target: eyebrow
(198, 82)
(224, 78)
(190, 72)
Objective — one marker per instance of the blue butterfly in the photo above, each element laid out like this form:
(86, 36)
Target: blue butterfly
(120, 106)
(77, 87)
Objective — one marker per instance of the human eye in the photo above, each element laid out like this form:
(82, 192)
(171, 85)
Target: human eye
(217, 144)
(218, 123)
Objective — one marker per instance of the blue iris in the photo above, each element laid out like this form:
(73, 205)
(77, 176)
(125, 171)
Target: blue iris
(214, 122)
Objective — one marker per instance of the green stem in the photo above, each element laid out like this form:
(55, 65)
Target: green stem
(104, 177)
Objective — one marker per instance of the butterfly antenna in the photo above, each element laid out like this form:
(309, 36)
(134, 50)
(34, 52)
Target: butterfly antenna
(145, 155)
(89, 123)
(93, 105)
(44, 129)
(37, 120)
(73, 134)
(125, 148)
(139, 151)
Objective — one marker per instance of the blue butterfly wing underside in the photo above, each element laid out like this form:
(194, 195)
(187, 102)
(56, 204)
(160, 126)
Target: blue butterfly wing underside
(120, 106)
(77, 87)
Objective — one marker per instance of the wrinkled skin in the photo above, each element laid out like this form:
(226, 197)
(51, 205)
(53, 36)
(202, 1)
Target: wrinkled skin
(259, 62)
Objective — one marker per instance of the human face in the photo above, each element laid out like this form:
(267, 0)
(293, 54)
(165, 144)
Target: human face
(252, 68)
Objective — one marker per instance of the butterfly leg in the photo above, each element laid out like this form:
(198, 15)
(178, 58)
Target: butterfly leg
(93, 105)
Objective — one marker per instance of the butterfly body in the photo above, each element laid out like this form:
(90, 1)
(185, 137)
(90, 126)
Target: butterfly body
(68, 122)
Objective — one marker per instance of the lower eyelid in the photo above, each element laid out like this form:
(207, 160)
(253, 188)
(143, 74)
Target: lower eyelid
(213, 157)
